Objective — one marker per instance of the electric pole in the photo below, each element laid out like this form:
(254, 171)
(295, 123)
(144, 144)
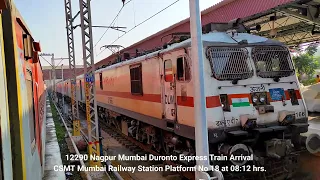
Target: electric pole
(62, 90)
(201, 127)
(53, 73)
(90, 89)
(89, 69)
(72, 67)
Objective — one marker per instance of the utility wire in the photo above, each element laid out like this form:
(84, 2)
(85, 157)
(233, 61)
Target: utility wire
(111, 23)
(134, 14)
(47, 61)
(141, 23)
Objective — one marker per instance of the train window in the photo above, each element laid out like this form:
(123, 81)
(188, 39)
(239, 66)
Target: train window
(168, 73)
(272, 61)
(229, 63)
(101, 82)
(80, 90)
(27, 46)
(183, 69)
(136, 79)
(32, 123)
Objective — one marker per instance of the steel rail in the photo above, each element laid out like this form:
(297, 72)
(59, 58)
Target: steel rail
(73, 143)
(115, 173)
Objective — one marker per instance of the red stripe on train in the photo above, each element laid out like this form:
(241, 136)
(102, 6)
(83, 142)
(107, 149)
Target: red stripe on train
(185, 101)
(211, 101)
(168, 78)
(145, 97)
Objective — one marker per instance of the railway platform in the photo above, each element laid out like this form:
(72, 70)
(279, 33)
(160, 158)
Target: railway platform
(52, 155)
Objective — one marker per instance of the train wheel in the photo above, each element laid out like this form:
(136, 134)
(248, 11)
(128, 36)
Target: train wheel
(156, 144)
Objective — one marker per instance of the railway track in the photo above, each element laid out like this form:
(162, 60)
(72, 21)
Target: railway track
(134, 147)
(139, 148)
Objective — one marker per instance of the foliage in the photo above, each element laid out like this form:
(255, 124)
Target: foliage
(306, 63)
(308, 82)
(60, 131)
(312, 49)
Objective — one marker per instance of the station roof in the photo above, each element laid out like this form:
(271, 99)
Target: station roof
(292, 23)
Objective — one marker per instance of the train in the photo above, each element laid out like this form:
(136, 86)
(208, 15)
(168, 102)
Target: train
(253, 101)
(23, 99)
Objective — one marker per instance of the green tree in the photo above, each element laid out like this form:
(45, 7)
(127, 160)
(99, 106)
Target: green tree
(306, 62)
(312, 49)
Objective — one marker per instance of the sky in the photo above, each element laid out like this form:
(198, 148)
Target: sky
(46, 20)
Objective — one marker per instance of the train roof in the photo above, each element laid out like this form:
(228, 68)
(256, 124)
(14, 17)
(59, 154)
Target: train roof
(225, 39)
(209, 39)
(20, 19)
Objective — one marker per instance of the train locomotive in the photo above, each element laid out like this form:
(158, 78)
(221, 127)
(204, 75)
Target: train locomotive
(23, 99)
(253, 102)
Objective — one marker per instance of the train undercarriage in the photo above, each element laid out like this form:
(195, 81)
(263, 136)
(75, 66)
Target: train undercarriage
(269, 155)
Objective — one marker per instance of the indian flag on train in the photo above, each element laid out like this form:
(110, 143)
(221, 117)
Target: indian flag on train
(240, 102)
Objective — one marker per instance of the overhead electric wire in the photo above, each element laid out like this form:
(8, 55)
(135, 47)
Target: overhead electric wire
(134, 14)
(47, 61)
(141, 23)
(111, 23)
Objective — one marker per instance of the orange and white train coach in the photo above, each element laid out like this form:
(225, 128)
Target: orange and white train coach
(251, 89)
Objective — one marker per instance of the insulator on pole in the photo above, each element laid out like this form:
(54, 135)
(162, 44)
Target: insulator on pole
(123, 1)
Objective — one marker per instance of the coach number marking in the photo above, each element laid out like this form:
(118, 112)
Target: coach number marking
(110, 100)
(172, 86)
(215, 135)
(300, 114)
(257, 88)
(169, 99)
(227, 122)
(173, 112)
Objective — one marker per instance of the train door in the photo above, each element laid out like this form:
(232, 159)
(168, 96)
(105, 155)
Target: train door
(31, 104)
(169, 91)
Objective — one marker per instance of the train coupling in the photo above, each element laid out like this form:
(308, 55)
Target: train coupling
(278, 148)
(237, 150)
(312, 143)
